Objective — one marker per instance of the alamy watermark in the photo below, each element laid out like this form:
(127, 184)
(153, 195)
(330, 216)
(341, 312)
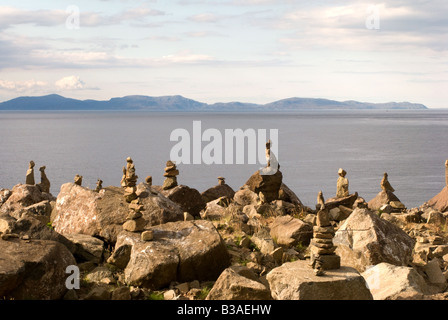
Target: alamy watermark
(73, 21)
(228, 147)
(373, 21)
(73, 280)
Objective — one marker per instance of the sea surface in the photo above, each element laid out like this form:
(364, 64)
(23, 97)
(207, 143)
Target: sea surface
(411, 146)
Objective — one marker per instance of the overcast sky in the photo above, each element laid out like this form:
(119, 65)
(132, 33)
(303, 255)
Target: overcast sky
(226, 50)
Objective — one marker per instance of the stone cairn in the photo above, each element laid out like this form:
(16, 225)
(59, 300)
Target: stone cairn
(170, 175)
(221, 181)
(134, 221)
(99, 185)
(385, 184)
(130, 181)
(322, 256)
(30, 174)
(44, 184)
(446, 173)
(342, 184)
(78, 180)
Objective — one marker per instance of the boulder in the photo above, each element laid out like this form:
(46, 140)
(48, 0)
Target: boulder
(288, 231)
(180, 251)
(440, 201)
(218, 191)
(387, 281)
(189, 199)
(382, 198)
(238, 283)
(364, 239)
(23, 196)
(297, 281)
(33, 270)
(84, 211)
(269, 185)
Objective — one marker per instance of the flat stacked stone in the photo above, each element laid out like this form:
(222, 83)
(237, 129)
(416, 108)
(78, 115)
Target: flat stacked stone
(321, 247)
(135, 221)
(170, 175)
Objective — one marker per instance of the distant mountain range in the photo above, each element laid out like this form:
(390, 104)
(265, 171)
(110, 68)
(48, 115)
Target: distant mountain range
(181, 104)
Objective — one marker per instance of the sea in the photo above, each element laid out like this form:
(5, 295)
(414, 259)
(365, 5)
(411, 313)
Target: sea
(411, 146)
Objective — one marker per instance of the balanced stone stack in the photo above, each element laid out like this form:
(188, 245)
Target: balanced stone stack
(170, 175)
(130, 181)
(78, 180)
(30, 174)
(135, 221)
(321, 247)
(44, 184)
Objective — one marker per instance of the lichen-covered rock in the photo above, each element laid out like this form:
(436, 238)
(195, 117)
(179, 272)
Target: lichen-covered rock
(364, 239)
(84, 211)
(23, 196)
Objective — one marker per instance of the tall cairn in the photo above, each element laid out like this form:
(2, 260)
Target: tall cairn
(322, 249)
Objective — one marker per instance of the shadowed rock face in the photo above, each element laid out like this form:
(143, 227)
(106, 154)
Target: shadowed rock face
(33, 270)
(84, 211)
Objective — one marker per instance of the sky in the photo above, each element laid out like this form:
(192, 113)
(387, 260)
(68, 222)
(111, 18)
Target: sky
(255, 51)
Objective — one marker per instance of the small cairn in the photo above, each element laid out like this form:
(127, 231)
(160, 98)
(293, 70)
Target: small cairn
(171, 174)
(221, 181)
(130, 181)
(385, 184)
(135, 221)
(342, 184)
(30, 174)
(78, 180)
(99, 185)
(321, 247)
(44, 184)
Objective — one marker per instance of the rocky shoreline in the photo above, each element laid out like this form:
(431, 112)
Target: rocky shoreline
(137, 241)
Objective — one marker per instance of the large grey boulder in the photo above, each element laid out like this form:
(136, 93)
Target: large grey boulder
(297, 281)
(33, 270)
(389, 282)
(364, 239)
(84, 211)
(179, 251)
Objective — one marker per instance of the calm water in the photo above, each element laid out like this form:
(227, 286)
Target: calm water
(411, 146)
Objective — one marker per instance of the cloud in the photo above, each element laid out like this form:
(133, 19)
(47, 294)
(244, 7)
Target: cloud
(70, 83)
(22, 86)
(11, 16)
